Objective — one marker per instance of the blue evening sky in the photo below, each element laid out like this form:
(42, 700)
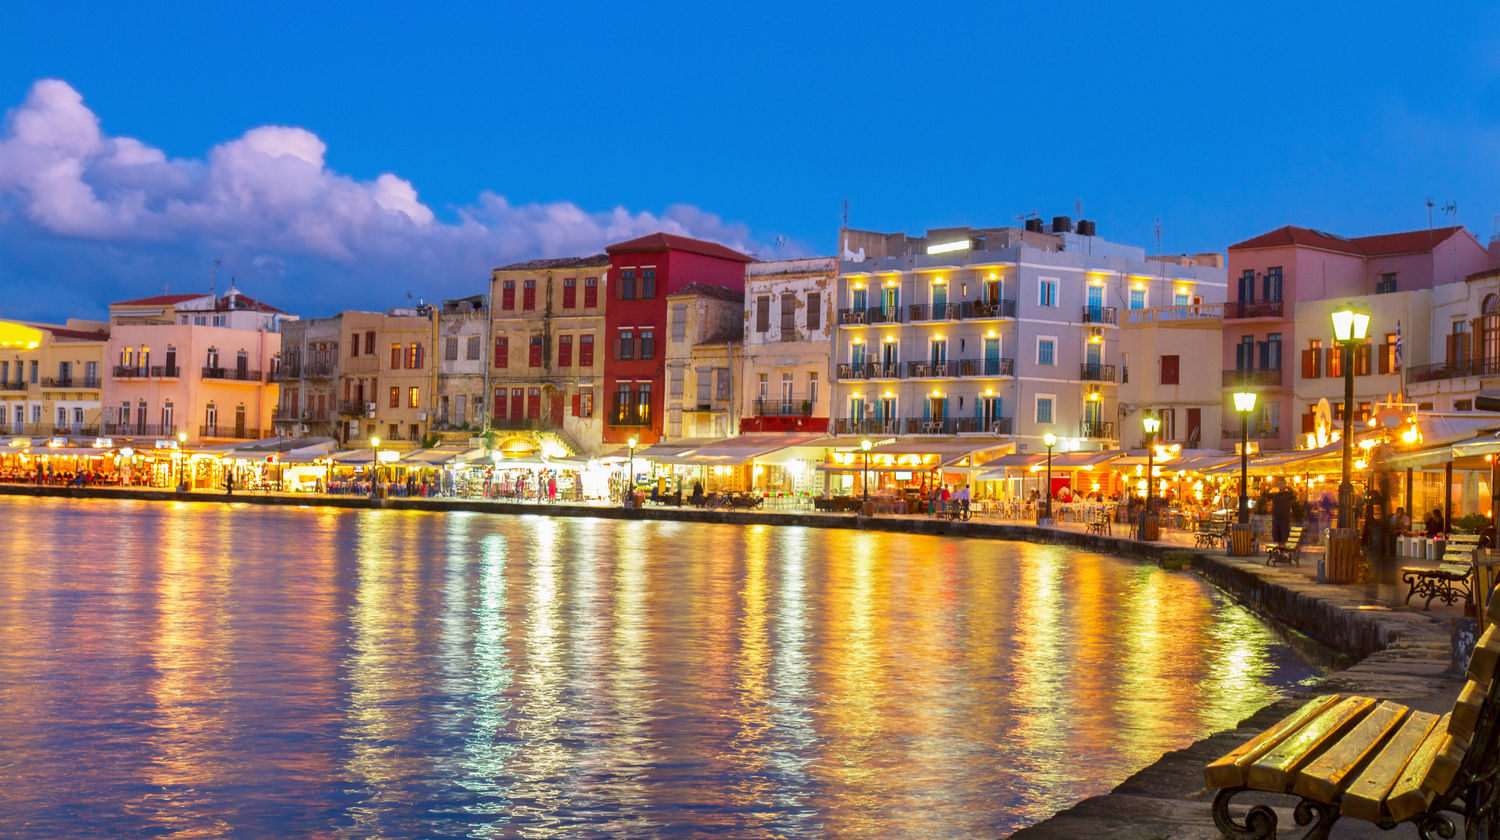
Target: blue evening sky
(548, 129)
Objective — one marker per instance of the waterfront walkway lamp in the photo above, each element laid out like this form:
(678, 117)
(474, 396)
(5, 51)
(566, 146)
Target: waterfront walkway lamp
(181, 461)
(374, 465)
(865, 445)
(1152, 425)
(630, 474)
(1244, 403)
(1049, 440)
(1351, 322)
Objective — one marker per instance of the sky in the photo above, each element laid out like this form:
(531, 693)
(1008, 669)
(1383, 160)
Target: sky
(338, 156)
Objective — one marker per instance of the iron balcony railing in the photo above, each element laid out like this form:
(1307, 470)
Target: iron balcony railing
(144, 372)
(288, 370)
(17, 385)
(1238, 378)
(232, 374)
(870, 370)
(1096, 429)
(1096, 373)
(917, 426)
(318, 370)
(1455, 369)
(1256, 433)
(933, 312)
(217, 431)
(629, 414)
(39, 429)
(354, 408)
(1253, 309)
(988, 309)
(139, 430)
(1101, 315)
(70, 382)
(871, 315)
(866, 426)
(795, 405)
(960, 367)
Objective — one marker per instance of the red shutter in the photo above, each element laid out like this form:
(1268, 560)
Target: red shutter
(1309, 364)
(585, 351)
(565, 351)
(590, 292)
(533, 403)
(499, 403)
(570, 292)
(508, 295)
(528, 295)
(1169, 370)
(534, 358)
(1385, 357)
(502, 352)
(577, 405)
(517, 403)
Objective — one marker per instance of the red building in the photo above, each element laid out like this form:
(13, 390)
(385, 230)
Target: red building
(642, 272)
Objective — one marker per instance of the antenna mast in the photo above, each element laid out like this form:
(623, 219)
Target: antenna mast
(211, 272)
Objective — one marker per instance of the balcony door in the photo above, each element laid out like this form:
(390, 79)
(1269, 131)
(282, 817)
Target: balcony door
(988, 409)
(890, 300)
(992, 356)
(992, 292)
(938, 355)
(856, 357)
(857, 298)
(239, 420)
(890, 356)
(1093, 356)
(1093, 417)
(517, 403)
(939, 300)
(1096, 302)
(210, 420)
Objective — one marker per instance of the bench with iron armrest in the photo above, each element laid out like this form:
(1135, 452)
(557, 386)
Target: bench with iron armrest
(1288, 552)
(1099, 522)
(1214, 534)
(1381, 762)
(1450, 580)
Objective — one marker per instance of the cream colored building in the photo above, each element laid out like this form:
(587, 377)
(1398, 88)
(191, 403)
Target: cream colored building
(703, 358)
(193, 363)
(463, 327)
(309, 378)
(547, 350)
(788, 327)
(386, 376)
(1318, 366)
(1169, 357)
(50, 377)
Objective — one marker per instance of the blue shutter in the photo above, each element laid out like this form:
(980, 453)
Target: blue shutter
(926, 409)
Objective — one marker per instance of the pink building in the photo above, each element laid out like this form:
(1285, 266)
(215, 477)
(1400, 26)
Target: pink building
(191, 363)
(1272, 273)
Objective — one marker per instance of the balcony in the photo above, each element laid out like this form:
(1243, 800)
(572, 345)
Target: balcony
(846, 426)
(1101, 430)
(1096, 373)
(45, 429)
(1243, 378)
(1456, 369)
(240, 432)
(520, 424)
(70, 382)
(931, 370)
(1176, 314)
(152, 372)
(957, 426)
(870, 370)
(288, 370)
(788, 406)
(318, 370)
(871, 315)
(1101, 315)
(986, 367)
(1253, 309)
(355, 408)
(1257, 433)
(978, 309)
(933, 312)
(232, 375)
(138, 430)
(17, 385)
(629, 414)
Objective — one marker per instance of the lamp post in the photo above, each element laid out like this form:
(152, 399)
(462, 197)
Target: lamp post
(630, 474)
(865, 445)
(374, 465)
(181, 462)
(1050, 440)
(1244, 403)
(1151, 425)
(1351, 322)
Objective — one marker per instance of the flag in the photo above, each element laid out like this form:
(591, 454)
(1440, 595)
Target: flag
(1398, 345)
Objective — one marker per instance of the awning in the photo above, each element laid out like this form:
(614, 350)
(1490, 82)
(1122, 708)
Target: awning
(949, 452)
(70, 451)
(354, 456)
(440, 456)
(743, 449)
(1005, 465)
(671, 452)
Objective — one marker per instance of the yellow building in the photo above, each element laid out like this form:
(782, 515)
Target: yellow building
(50, 377)
(387, 376)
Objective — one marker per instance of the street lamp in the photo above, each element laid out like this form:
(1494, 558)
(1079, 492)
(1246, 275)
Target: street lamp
(1351, 322)
(630, 474)
(1152, 425)
(1049, 440)
(374, 463)
(865, 445)
(181, 462)
(1244, 403)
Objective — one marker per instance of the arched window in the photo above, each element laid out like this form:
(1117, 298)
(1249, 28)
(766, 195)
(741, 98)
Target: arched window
(1491, 304)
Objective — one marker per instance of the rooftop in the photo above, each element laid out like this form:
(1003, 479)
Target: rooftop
(1405, 242)
(600, 260)
(673, 242)
(711, 291)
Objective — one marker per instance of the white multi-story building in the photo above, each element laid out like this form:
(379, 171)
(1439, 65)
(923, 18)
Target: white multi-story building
(996, 332)
(789, 315)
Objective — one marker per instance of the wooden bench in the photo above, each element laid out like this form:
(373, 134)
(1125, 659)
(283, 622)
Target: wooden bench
(1214, 533)
(1451, 579)
(1381, 762)
(1288, 552)
(1099, 522)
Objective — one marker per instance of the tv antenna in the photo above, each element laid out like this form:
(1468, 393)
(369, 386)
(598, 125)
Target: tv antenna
(212, 271)
(1451, 208)
(1429, 213)
(780, 243)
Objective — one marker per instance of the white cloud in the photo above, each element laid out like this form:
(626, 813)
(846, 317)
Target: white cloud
(268, 205)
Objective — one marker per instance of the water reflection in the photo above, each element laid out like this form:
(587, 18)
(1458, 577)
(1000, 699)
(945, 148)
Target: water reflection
(205, 671)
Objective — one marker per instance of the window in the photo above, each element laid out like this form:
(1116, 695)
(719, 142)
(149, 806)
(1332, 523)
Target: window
(1137, 298)
(570, 292)
(1182, 298)
(648, 343)
(1312, 359)
(1247, 286)
(1044, 409)
(413, 398)
(763, 385)
(1387, 283)
(1336, 362)
(354, 346)
(788, 316)
(1047, 292)
(1046, 351)
(499, 410)
(200, 320)
(585, 401)
(721, 384)
(1169, 370)
(626, 286)
(812, 387)
(534, 352)
(1271, 284)
(416, 357)
(590, 292)
(472, 351)
(450, 349)
(679, 321)
(395, 397)
(502, 352)
(762, 313)
(626, 349)
(220, 320)
(395, 356)
(508, 295)
(1388, 363)
(565, 351)
(814, 311)
(36, 367)
(528, 295)
(586, 350)
(369, 343)
(648, 283)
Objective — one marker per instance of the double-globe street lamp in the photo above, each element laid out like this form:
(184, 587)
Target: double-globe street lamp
(1351, 323)
(1152, 425)
(1049, 440)
(1244, 403)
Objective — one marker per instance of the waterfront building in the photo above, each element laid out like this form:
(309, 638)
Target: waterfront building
(385, 378)
(309, 378)
(463, 327)
(1268, 329)
(996, 335)
(1170, 369)
(642, 273)
(1455, 353)
(788, 337)
(50, 377)
(703, 355)
(195, 363)
(547, 361)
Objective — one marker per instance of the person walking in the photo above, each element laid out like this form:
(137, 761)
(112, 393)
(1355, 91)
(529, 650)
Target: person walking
(1281, 512)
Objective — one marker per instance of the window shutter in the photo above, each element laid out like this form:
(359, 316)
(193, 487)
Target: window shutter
(1309, 364)
(577, 405)
(1385, 358)
(502, 352)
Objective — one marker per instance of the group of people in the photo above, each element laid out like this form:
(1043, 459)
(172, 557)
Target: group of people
(941, 496)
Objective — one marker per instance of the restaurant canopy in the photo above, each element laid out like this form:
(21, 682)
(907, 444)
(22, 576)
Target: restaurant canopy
(1065, 461)
(442, 456)
(743, 449)
(671, 452)
(909, 455)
